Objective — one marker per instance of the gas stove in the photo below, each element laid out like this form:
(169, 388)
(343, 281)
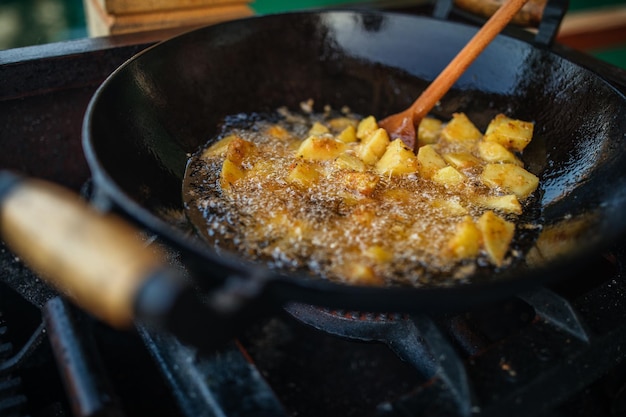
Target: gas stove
(552, 351)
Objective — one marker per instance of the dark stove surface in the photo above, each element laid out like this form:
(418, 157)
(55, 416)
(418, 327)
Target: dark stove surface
(551, 352)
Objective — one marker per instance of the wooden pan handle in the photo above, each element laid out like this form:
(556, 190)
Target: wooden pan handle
(529, 16)
(97, 260)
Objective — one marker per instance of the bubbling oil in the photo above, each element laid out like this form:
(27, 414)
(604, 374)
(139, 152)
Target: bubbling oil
(397, 234)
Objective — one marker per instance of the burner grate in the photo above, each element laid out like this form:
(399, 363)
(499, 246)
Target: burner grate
(12, 401)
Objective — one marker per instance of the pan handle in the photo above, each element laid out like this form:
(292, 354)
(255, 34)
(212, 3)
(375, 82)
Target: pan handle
(545, 15)
(100, 262)
(529, 16)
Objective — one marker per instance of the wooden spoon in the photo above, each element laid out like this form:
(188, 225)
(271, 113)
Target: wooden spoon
(403, 125)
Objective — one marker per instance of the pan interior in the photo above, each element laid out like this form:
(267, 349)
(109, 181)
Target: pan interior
(156, 110)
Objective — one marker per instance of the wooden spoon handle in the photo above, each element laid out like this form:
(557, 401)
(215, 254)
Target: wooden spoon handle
(446, 79)
(98, 260)
(529, 15)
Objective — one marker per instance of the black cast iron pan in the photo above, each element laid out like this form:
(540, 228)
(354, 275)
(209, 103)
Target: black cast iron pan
(158, 108)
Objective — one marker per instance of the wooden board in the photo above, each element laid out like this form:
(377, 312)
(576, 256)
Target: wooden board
(118, 7)
(101, 23)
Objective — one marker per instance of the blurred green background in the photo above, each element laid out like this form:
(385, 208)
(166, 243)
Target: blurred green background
(34, 22)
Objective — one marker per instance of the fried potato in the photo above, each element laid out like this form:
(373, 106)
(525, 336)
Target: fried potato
(397, 160)
(497, 235)
(460, 129)
(428, 131)
(373, 146)
(429, 161)
(493, 152)
(510, 178)
(366, 127)
(230, 174)
(347, 135)
(466, 241)
(510, 133)
(304, 174)
(316, 148)
(449, 177)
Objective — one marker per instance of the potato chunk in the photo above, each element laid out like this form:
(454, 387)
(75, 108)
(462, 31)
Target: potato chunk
(318, 129)
(510, 133)
(510, 178)
(320, 148)
(339, 124)
(238, 150)
(494, 152)
(505, 203)
(397, 160)
(230, 174)
(219, 148)
(449, 177)
(373, 146)
(497, 235)
(461, 160)
(429, 161)
(461, 129)
(347, 135)
(466, 241)
(428, 131)
(304, 174)
(366, 127)
(349, 162)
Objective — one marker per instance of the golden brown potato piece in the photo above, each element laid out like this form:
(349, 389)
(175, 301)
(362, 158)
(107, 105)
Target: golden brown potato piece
(350, 162)
(461, 160)
(303, 174)
(461, 129)
(429, 161)
(466, 241)
(318, 129)
(373, 146)
(219, 148)
(339, 124)
(428, 131)
(238, 150)
(316, 148)
(510, 133)
(366, 127)
(504, 204)
(449, 177)
(494, 152)
(397, 160)
(497, 235)
(347, 135)
(230, 174)
(510, 178)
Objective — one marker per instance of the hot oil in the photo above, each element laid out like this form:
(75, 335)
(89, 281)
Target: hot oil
(398, 234)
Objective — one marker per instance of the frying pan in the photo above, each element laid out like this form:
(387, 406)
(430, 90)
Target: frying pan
(162, 105)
